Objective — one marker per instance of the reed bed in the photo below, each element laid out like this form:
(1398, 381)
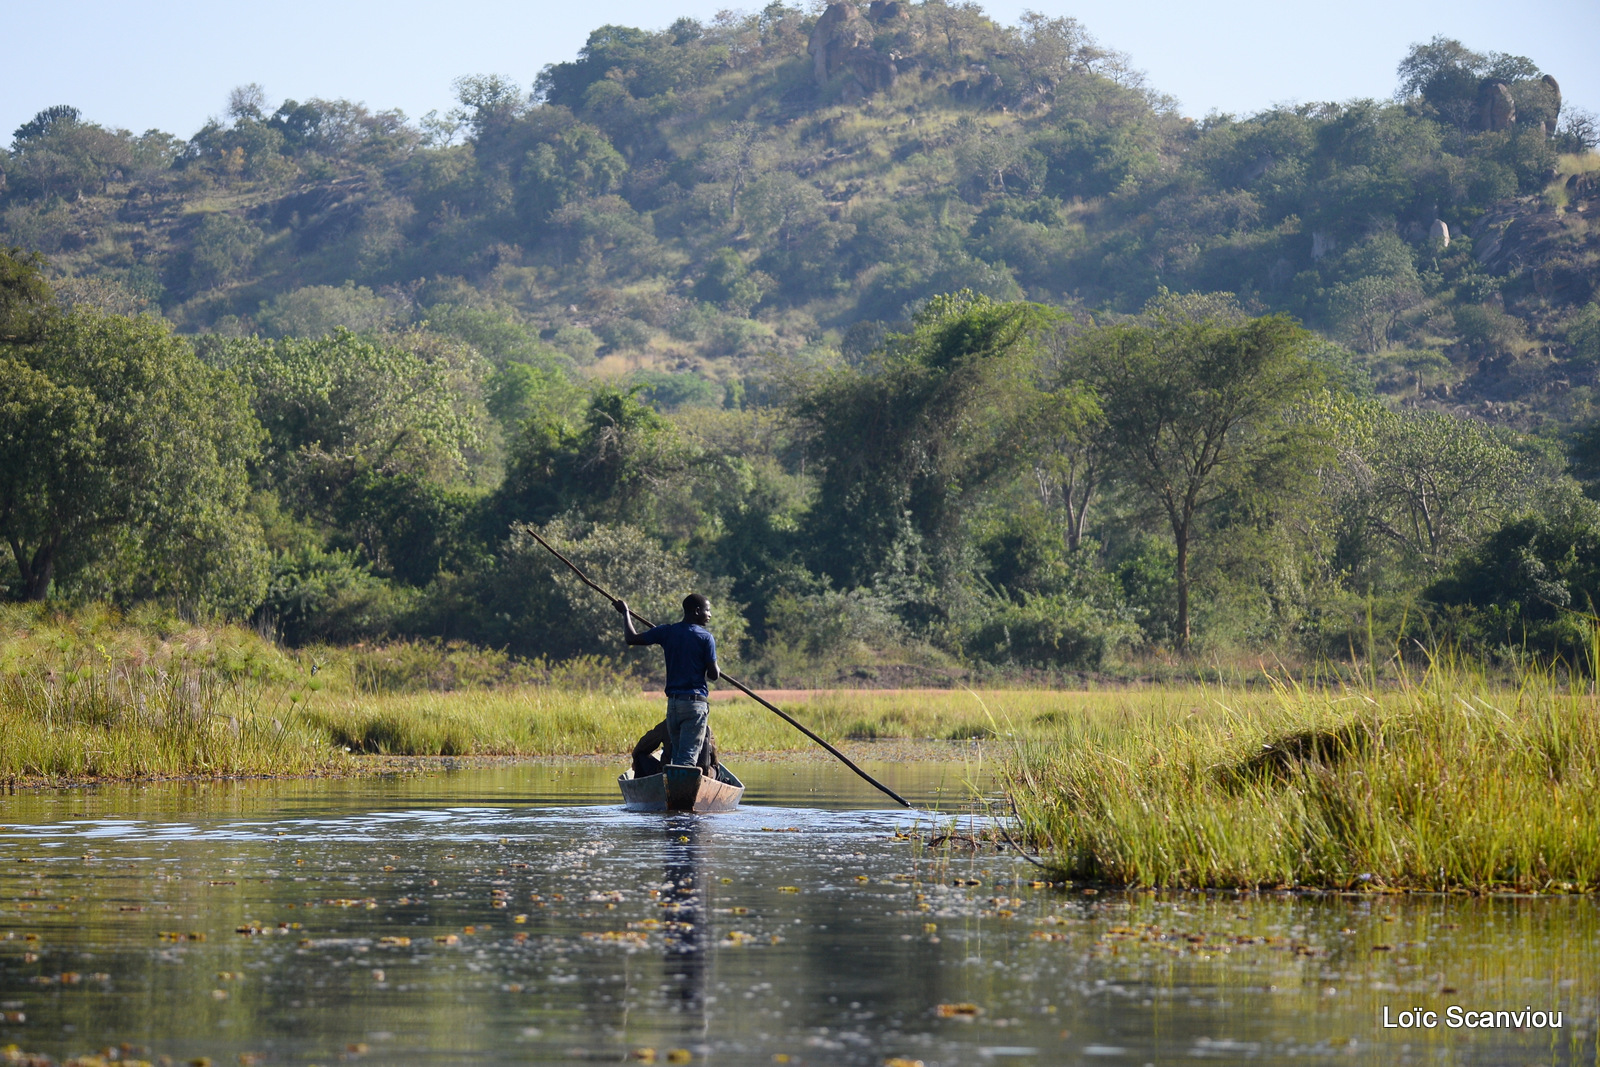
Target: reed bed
(128, 722)
(94, 693)
(555, 721)
(122, 722)
(1446, 781)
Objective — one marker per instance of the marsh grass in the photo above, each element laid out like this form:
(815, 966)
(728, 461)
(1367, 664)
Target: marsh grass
(1448, 780)
(1442, 779)
(125, 722)
(564, 721)
(93, 693)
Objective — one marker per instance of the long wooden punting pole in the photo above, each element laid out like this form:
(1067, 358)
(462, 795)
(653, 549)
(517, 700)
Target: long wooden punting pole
(746, 690)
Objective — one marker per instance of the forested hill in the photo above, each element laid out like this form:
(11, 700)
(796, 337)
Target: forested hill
(919, 342)
(673, 203)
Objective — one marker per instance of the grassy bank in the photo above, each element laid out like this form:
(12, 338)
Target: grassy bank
(1445, 781)
(95, 694)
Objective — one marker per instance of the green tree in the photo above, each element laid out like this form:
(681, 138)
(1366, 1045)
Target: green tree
(576, 163)
(337, 406)
(317, 310)
(1583, 334)
(643, 64)
(1532, 583)
(998, 164)
(222, 250)
(408, 527)
(56, 153)
(328, 597)
(1368, 309)
(123, 466)
(605, 236)
(1198, 413)
(500, 338)
(902, 443)
(25, 296)
(734, 158)
(1052, 49)
(1064, 433)
(1426, 482)
(529, 603)
(519, 392)
(1445, 74)
(730, 283)
(615, 467)
(493, 100)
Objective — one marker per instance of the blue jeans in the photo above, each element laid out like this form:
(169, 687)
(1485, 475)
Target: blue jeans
(686, 730)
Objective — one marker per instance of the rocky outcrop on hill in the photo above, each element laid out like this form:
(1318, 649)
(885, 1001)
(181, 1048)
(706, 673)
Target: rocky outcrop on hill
(1501, 105)
(837, 33)
(1555, 91)
(321, 212)
(980, 84)
(1583, 190)
(837, 44)
(1554, 252)
(1497, 108)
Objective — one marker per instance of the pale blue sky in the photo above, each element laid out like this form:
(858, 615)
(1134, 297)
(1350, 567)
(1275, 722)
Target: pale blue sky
(170, 64)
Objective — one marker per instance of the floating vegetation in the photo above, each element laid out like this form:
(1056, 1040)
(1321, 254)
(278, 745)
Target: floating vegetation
(963, 1011)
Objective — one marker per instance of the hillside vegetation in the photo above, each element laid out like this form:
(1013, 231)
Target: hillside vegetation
(693, 198)
(923, 344)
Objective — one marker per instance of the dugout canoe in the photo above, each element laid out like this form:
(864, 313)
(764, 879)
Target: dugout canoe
(681, 789)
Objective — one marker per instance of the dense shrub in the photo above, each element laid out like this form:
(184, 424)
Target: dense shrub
(1050, 632)
(318, 596)
(1532, 586)
(528, 603)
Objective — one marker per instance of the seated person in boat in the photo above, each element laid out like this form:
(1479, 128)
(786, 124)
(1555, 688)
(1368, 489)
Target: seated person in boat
(644, 760)
(691, 655)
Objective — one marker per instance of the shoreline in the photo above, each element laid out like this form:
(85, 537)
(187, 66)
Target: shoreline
(363, 766)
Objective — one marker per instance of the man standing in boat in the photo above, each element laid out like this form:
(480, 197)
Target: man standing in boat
(691, 655)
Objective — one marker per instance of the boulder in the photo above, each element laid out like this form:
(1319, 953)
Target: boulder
(838, 33)
(881, 11)
(1555, 98)
(873, 70)
(1439, 233)
(1582, 188)
(1497, 108)
(839, 43)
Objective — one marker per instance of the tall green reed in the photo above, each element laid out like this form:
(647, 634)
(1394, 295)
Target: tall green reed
(1446, 780)
(124, 720)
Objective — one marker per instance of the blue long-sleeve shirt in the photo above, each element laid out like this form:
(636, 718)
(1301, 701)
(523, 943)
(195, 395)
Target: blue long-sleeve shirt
(690, 650)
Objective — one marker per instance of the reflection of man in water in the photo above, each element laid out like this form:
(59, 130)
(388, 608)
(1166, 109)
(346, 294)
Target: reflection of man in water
(646, 764)
(691, 654)
(685, 962)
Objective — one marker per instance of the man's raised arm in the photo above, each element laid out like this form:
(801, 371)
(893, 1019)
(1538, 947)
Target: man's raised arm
(629, 634)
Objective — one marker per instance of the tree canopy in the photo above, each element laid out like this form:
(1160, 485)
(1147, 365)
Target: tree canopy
(903, 442)
(25, 296)
(123, 466)
(1198, 413)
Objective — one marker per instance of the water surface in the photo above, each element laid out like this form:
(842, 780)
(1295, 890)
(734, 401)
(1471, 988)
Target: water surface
(516, 914)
